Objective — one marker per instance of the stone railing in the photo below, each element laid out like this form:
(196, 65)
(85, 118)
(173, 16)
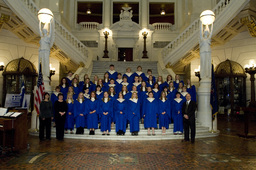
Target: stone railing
(163, 27)
(224, 11)
(60, 29)
(89, 25)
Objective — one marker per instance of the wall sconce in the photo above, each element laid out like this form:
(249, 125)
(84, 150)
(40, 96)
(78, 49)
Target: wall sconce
(1, 66)
(89, 11)
(145, 52)
(162, 12)
(197, 73)
(251, 69)
(106, 33)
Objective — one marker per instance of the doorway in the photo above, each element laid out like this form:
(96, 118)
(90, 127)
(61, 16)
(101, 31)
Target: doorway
(125, 54)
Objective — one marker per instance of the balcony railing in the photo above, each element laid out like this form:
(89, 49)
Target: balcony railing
(163, 27)
(88, 25)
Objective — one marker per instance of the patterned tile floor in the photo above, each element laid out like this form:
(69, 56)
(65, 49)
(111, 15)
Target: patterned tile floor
(227, 151)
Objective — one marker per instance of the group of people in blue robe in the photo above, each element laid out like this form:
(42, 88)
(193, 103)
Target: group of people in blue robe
(124, 100)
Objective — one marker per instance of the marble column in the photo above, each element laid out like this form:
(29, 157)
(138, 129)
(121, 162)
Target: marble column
(107, 13)
(144, 14)
(204, 114)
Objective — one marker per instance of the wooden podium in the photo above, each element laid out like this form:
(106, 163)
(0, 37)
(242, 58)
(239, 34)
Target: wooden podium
(14, 131)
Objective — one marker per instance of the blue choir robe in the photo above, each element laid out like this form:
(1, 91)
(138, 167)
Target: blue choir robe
(183, 95)
(154, 79)
(54, 98)
(90, 86)
(81, 83)
(77, 90)
(107, 86)
(118, 85)
(99, 95)
(171, 94)
(176, 85)
(70, 121)
(112, 74)
(166, 84)
(161, 86)
(137, 85)
(64, 91)
(177, 118)
(106, 119)
(92, 119)
(192, 91)
(127, 95)
(79, 108)
(129, 86)
(150, 84)
(164, 106)
(120, 106)
(150, 111)
(105, 83)
(141, 74)
(142, 94)
(130, 77)
(113, 97)
(133, 115)
(157, 93)
(69, 80)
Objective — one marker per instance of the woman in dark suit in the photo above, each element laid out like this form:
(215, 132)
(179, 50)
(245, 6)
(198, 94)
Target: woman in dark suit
(60, 107)
(45, 117)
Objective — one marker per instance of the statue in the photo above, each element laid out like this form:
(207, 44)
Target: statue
(126, 14)
(205, 50)
(47, 38)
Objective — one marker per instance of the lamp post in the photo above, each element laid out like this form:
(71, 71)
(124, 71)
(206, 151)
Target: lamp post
(145, 52)
(106, 33)
(204, 114)
(251, 69)
(1, 66)
(251, 109)
(46, 27)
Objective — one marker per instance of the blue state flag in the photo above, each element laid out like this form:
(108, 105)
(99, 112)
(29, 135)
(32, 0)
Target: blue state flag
(214, 97)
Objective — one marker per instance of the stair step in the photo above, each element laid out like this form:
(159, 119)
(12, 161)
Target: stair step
(128, 136)
(100, 67)
(201, 132)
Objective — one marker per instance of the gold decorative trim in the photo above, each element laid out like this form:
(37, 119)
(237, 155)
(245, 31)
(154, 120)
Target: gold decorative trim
(4, 18)
(250, 22)
(168, 65)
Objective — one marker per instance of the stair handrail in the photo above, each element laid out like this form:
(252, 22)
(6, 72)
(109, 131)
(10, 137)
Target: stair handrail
(192, 29)
(61, 30)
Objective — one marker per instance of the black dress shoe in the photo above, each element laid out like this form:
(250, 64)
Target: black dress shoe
(192, 141)
(184, 140)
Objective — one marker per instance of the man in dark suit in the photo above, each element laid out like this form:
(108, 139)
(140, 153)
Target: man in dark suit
(188, 111)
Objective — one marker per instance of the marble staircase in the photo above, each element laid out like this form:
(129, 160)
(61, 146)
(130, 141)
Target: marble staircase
(201, 132)
(100, 67)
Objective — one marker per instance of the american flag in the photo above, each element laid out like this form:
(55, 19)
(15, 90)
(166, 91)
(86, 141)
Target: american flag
(39, 90)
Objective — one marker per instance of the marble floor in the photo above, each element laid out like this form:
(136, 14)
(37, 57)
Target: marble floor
(227, 151)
